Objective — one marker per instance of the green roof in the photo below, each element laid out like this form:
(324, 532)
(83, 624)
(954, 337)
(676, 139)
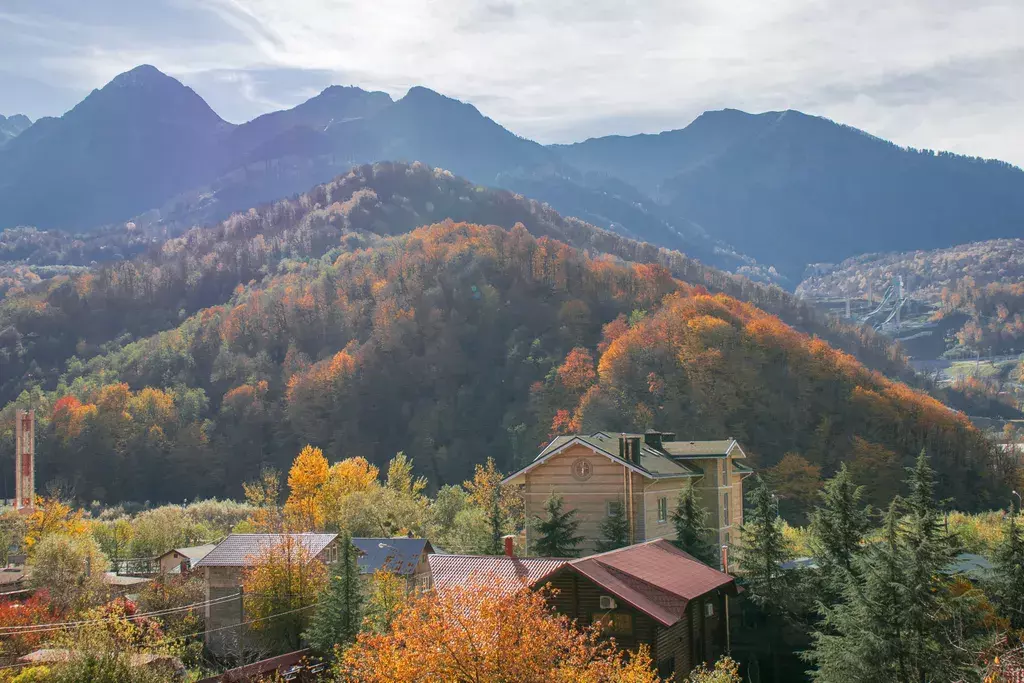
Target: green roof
(652, 462)
(696, 449)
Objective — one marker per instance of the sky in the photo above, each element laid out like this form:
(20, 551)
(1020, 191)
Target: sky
(937, 74)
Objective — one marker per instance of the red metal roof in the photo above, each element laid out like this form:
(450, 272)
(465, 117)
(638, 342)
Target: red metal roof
(654, 577)
(512, 573)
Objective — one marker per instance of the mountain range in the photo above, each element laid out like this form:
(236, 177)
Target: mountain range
(12, 126)
(789, 189)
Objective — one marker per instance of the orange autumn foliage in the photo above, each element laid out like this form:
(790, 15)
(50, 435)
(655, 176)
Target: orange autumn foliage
(577, 372)
(478, 632)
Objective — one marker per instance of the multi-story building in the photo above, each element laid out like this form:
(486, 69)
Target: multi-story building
(641, 474)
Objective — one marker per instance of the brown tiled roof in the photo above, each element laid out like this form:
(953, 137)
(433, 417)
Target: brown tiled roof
(511, 573)
(237, 550)
(654, 577)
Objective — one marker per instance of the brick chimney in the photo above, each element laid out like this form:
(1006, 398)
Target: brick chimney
(510, 546)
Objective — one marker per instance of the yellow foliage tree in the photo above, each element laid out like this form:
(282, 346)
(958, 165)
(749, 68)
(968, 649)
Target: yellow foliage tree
(479, 633)
(53, 517)
(304, 510)
(264, 494)
(281, 588)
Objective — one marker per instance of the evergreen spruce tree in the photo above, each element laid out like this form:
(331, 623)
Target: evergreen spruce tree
(495, 522)
(929, 551)
(898, 619)
(839, 523)
(338, 617)
(692, 533)
(557, 533)
(838, 526)
(860, 639)
(763, 551)
(614, 530)
(1008, 584)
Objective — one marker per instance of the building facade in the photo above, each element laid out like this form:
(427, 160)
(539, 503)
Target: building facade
(650, 594)
(641, 474)
(223, 571)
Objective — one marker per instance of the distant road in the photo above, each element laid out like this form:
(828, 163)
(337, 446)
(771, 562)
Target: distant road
(942, 363)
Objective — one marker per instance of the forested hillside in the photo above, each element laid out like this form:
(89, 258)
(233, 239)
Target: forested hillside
(926, 274)
(42, 328)
(983, 281)
(457, 342)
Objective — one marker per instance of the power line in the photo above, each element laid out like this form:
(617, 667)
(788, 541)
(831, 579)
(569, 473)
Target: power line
(40, 628)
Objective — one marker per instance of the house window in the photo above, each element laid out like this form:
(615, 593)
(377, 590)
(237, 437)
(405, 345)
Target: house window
(725, 472)
(662, 509)
(613, 508)
(614, 623)
(332, 554)
(725, 512)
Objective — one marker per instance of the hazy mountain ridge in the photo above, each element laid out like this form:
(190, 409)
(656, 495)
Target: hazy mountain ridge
(785, 188)
(12, 126)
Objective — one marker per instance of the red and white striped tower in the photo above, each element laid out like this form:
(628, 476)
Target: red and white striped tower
(25, 460)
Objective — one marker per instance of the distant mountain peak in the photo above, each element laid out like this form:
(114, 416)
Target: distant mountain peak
(142, 75)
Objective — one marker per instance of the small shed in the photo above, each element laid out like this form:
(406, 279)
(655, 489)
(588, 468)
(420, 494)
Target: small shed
(176, 559)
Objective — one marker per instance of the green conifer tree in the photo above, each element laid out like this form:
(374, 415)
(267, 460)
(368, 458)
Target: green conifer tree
(1009, 582)
(860, 638)
(901, 618)
(763, 551)
(557, 532)
(838, 526)
(614, 529)
(338, 616)
(692, 533)
(839, 523)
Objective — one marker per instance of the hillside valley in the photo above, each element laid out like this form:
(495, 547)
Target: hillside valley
(333, 319)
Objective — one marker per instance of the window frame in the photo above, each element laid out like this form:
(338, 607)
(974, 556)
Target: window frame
(663, 509)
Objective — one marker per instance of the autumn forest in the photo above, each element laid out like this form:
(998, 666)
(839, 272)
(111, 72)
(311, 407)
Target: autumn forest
(362, 319)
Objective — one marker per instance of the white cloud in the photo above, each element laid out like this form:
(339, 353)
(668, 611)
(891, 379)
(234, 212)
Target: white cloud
(929, 73)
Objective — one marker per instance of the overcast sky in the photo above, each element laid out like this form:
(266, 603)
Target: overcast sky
(942, 74)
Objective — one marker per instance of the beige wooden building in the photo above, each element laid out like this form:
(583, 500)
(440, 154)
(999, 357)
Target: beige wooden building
(643, 473)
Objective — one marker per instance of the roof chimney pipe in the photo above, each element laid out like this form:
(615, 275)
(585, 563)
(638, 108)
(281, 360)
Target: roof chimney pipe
(510, 546)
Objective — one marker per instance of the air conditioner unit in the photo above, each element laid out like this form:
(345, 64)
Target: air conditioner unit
(608, 602)
(709, 609)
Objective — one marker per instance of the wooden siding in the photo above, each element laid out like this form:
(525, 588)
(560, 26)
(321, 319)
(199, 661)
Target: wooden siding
(692, 640)
(670, 490)
(711, 489)
(608, 482)
(580, 599)
(589, 498)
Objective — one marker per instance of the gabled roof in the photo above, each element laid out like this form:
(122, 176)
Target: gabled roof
(194, 553)
(238, 550)
(654, 577)
(396, 555)
(652, 464)
(510, 573)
